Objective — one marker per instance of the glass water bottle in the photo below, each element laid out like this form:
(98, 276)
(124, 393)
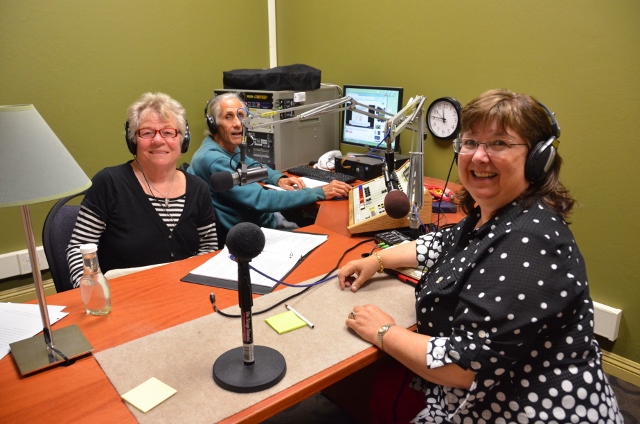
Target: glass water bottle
(94, 287)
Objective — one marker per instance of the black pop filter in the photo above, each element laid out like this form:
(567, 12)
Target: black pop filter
(245, 241)
(221, 181)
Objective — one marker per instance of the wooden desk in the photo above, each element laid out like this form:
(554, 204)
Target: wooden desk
(148, 302)
(145, 303)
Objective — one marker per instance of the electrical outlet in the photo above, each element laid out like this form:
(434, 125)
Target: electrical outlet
(9, 265)
(606, 320)
(24, 262)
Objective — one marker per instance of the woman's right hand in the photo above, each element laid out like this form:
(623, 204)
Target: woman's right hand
(355, 273)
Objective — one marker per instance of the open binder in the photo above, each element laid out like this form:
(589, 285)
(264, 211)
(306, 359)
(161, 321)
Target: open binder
(282, 253)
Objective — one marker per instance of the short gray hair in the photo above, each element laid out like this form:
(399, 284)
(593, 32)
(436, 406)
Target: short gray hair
(213, 107)
(163, 105)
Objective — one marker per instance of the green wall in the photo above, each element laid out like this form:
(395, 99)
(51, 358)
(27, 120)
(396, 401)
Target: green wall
(580, 57)
(81, 63)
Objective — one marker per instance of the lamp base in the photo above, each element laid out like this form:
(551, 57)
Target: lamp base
(33, 355)
(230, 372)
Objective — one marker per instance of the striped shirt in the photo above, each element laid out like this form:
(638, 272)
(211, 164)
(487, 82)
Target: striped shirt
(89, 228)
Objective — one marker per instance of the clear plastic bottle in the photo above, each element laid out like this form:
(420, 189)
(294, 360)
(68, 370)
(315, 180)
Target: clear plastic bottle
(94, 287)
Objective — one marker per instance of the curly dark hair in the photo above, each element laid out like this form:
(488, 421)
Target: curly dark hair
(524, 115)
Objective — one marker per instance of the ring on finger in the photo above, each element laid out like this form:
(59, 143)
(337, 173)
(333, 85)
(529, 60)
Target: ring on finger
(352, 315)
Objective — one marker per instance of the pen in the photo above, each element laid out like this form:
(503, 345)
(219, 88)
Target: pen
(299, 316)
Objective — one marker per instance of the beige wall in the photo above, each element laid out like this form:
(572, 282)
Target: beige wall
(81, 63)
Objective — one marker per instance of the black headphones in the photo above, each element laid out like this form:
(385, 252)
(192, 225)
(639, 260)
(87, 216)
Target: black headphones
(541, 156)
(211, 121)
(131, 140)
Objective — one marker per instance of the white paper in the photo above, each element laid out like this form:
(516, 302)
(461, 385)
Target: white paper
(309, 182)
(19, 321)
(282, 251)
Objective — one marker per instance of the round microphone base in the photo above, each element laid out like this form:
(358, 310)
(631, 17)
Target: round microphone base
(268, 368)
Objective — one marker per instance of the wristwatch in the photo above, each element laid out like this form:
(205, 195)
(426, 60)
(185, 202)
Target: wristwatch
(381, 332)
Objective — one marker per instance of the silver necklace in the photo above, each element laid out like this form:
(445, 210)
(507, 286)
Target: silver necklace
(152, 188)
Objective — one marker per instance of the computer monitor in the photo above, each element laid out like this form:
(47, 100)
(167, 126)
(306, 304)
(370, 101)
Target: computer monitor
(363, 130)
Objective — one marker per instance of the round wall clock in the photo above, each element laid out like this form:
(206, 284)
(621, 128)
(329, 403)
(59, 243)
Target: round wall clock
(443, 118)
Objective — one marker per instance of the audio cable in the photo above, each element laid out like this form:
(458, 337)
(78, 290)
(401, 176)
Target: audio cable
(328, 276)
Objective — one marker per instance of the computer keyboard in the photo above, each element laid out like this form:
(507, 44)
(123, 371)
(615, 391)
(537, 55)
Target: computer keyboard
(321, 174)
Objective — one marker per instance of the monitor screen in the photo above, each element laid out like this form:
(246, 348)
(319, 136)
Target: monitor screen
(363, 130)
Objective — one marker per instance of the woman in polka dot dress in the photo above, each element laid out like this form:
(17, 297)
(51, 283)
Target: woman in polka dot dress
(505, 321)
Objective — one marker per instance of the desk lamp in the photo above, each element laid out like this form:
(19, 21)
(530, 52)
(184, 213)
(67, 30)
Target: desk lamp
(35, 167)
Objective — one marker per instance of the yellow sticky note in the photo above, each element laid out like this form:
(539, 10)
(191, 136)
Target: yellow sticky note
(286, 321)
(149, 394)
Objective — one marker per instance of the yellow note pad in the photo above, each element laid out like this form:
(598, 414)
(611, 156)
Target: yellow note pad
(149, 394)
(285, 321)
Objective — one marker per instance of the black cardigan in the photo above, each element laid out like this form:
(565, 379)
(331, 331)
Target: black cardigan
(135, 234)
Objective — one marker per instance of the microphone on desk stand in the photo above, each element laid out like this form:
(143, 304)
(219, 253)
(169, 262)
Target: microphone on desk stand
(248, 368)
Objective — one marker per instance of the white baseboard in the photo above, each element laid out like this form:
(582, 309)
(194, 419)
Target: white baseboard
(620, 367)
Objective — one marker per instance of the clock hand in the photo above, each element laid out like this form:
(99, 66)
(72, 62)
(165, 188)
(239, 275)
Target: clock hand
(443, 117)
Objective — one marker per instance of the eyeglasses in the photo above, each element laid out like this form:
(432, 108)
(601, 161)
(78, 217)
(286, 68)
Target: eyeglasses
(467, 146)
(151, 133)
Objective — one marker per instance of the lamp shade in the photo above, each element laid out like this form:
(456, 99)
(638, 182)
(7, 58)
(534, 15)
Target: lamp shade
(34, 165)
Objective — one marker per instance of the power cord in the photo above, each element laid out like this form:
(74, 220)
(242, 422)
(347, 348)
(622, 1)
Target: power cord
(324, 279)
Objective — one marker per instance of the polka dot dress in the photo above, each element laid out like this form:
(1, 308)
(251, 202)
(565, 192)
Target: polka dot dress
(510, 301)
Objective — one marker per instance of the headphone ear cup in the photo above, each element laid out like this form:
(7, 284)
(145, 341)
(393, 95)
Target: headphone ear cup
(131, 144)
(186, 139)
(539, 160)
(211, 124)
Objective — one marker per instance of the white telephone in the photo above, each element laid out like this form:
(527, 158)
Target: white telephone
(327, 161)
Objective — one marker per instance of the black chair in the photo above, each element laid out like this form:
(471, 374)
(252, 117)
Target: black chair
(56, 235)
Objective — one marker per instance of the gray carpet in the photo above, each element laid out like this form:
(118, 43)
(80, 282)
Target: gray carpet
(628, 397)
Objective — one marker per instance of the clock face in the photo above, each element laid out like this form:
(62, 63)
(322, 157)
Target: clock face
(443, 118)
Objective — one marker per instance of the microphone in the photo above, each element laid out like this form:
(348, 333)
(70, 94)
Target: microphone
(225, 180)
(245, 241)
(396, 202)
(239, 370)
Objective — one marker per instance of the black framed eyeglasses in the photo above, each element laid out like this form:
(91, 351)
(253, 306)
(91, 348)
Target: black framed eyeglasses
(164, 133)
(467, 146)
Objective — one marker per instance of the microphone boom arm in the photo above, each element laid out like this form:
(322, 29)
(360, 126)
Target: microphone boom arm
(409, 117)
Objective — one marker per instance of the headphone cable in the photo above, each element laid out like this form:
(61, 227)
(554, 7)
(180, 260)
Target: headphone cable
(325, 278)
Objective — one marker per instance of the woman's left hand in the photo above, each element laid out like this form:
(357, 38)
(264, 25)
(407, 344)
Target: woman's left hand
(291, 183)
(366, 320)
